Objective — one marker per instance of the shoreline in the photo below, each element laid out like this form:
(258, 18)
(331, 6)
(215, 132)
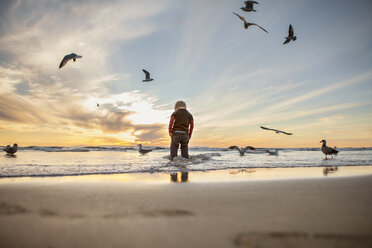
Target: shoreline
(223, 175)
(286, 207)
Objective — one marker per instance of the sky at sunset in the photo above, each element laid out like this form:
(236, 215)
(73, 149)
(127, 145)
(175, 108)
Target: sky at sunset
(234, 80)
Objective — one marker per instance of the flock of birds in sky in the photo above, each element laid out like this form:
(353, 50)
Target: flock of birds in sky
(249, 7)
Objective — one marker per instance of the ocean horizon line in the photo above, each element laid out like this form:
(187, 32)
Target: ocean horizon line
(84, 148)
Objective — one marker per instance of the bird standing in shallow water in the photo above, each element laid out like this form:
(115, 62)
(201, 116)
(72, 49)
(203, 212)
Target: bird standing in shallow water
(67, 58)
(143, 151)
(249, 6)
(327, 150)
(242, 150)
(11, 150)
(247, 24)
(290, 35)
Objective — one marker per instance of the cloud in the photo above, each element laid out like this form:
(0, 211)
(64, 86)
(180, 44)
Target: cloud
(38, 35)
(148, 133)
(34, 92)
(57, 107)
(115, 122)
(266, 104)
(16, 109)
(330, 120)
(252, 92)
(316, 93)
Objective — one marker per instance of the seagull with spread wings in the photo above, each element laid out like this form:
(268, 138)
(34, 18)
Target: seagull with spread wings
(147, 74)
(290, 35)
(247, 24)
(242, 150)
(249, 6)
(275, 130)
(67, 58)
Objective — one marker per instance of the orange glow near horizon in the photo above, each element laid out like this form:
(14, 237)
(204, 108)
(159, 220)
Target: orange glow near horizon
(198, 139)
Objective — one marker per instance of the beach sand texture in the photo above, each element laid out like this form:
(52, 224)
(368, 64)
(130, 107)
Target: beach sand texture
(312, 212)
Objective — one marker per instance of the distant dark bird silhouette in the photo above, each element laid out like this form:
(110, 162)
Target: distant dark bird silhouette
(327, 150)
(242, 150)
(143, 151)
(148, 79)
(249, 6)
(67, 58)
(275, 130)
(97, 104)
(11, 150)
(290, 35)
(247, 24)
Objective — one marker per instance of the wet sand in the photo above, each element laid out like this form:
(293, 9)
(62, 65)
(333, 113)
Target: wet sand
(142, 210)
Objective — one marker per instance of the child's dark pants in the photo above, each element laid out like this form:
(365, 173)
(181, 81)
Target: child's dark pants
(180, 138)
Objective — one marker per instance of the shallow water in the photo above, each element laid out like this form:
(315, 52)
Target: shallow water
(60, 161)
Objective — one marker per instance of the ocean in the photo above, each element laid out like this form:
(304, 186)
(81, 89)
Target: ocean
(69, 161)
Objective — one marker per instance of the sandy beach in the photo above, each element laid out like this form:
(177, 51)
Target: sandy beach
(233, 208)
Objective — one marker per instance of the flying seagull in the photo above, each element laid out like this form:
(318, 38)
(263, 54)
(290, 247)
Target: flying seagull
(249, 6)
(242, 150)
(327, 150)
(247, 24)
(143, 151)
(277, 131)
(290, 35)
(11, 150)
(68, 57)
(148, 79)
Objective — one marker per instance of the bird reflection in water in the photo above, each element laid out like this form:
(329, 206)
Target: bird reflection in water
(179, 177)
(327, 170)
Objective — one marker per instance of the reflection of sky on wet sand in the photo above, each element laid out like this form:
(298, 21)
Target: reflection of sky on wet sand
(259, 174)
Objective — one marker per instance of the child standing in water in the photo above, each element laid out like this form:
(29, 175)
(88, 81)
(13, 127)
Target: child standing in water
(180, 129)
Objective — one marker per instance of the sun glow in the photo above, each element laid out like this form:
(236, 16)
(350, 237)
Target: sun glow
(145, 113)
(141, 107)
